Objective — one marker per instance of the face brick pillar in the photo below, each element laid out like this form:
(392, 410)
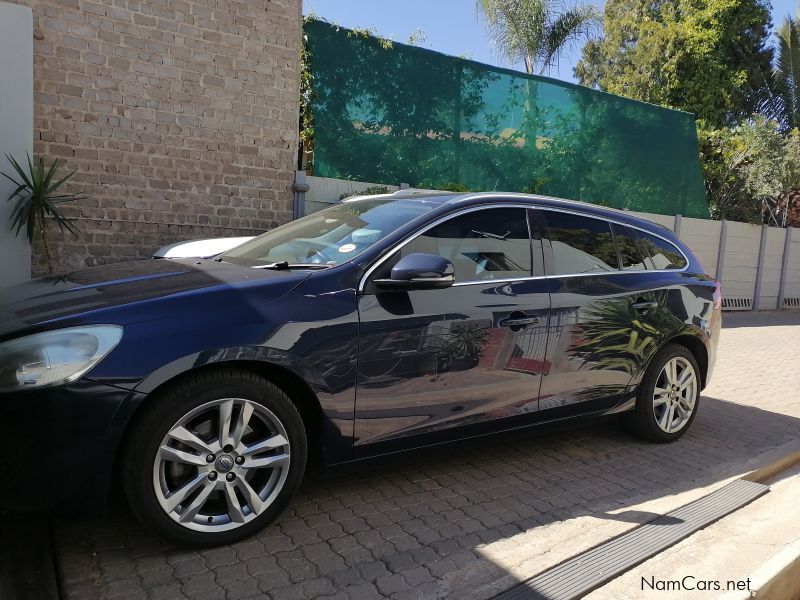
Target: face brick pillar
(180, 118)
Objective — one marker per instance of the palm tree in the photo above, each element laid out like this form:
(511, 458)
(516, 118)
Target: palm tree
(786, 74)
(537, 31)
(779, 99)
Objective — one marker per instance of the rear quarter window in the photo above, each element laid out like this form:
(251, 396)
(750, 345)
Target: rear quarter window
(663, 254)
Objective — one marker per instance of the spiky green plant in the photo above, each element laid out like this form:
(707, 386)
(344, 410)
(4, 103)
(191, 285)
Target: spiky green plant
(787, 71)
(37, 198)
(613, 336)
(778, 98)
(465, 342)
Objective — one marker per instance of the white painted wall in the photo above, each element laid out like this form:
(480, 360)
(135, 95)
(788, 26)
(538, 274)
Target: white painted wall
(16, 129)
(666, 220)
(702, 236)
(741, 259)
(771, 272)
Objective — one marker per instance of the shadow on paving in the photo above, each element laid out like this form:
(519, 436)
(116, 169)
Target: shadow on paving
(412, 528)
(763, 318)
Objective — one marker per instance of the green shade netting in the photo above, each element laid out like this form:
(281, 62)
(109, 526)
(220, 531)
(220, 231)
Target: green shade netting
(407, 114)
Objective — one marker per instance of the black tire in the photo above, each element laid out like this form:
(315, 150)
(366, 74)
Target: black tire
(150, 427)
(642, 420)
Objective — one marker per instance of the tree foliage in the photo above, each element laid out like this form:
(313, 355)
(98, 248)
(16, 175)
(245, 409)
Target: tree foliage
(702, 56)
(780, 98)
(787, 72)
(749, 169)
(537, 32)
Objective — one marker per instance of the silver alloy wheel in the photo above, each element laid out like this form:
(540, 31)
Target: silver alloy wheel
(675, 394)
(221, 465)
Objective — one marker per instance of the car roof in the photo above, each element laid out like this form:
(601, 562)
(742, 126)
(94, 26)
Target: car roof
(535, 200)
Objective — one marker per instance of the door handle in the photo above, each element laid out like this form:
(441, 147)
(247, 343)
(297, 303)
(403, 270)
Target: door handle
(519, 321)
(643, 305)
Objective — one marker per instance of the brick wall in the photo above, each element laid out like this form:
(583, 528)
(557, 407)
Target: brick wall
(180, 117)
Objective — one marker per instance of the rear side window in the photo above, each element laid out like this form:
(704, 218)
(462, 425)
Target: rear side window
(630, 258)
(663, 254)
(580, 244)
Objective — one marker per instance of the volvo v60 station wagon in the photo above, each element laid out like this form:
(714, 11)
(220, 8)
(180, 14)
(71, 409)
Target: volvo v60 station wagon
(207, 387)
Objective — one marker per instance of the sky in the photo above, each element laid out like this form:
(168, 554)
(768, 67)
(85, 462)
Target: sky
(450, 26)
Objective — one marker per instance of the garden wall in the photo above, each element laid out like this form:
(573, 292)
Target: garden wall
(180, 117)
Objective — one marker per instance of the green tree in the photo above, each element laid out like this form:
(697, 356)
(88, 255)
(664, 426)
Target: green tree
(536, 31)
(749, 169)
(708, 57)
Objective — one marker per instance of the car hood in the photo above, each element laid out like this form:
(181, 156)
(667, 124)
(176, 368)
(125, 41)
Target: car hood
(90, 294)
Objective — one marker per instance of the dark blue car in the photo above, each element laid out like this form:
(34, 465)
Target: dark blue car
(208, 387)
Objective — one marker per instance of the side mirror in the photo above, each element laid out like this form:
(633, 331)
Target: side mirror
(419, 272)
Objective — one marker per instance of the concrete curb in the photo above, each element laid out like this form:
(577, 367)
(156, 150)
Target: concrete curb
(777, 579)
(769, 471)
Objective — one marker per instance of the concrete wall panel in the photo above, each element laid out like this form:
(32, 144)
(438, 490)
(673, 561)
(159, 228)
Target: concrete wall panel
(793, 268)
(16, 129)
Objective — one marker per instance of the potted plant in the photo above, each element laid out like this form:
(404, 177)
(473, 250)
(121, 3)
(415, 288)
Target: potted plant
(37, 198)
(463, 348)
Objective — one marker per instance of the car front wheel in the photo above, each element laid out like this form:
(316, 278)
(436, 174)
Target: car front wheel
(214, 459)
(668, 396)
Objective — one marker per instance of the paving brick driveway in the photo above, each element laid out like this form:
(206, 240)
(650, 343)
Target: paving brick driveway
(434, 526)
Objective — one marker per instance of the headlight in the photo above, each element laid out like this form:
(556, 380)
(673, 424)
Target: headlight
(54, 357)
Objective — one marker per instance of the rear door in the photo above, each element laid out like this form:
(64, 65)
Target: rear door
(431, 360)
(607, 312)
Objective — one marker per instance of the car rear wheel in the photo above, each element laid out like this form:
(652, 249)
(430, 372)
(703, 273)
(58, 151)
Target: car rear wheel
(668, 396)
(214, 459)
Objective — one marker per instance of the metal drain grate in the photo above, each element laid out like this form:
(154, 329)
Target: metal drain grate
(580, 575)
(737, 304)
(791, 303)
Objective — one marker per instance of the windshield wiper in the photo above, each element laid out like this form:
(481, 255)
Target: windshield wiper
(284, 265)
(494, 236)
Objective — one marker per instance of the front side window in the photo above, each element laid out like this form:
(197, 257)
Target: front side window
(663, 254)
(580, 244)
(482, 245)
(331, 236)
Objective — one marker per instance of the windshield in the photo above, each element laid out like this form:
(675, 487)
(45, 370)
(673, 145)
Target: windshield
(331, 236)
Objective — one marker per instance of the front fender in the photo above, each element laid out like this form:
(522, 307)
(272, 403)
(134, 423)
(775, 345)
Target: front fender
(313, 341)
(233, 355)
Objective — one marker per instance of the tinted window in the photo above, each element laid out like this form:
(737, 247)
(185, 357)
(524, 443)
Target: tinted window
(629, 255)
(663, 254)
(580, 244)
(482, 245)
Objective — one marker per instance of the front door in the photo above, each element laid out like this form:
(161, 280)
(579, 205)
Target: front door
(474, 352)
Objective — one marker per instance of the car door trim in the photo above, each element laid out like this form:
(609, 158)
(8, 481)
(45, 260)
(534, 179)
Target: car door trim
(384, 257)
